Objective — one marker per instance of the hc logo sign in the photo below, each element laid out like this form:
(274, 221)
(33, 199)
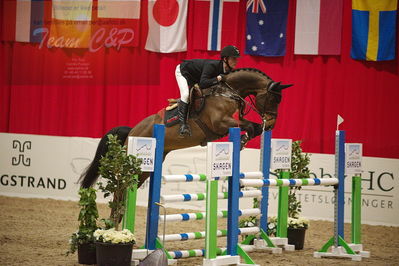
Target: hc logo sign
(21, 147)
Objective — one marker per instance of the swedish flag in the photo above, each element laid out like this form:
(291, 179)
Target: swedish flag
(374, 29)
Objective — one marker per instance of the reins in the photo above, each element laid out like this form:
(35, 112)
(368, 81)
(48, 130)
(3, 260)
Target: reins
(251, 106)
(243, 100)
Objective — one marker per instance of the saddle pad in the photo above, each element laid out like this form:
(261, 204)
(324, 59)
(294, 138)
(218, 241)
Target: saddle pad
(169, 117)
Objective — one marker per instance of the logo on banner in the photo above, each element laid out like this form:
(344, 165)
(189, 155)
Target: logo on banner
(221, 158)
(143, 148)
(21, 147)
(353, 154)
(281, 154)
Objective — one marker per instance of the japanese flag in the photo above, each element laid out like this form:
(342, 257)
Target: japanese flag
(167, 26)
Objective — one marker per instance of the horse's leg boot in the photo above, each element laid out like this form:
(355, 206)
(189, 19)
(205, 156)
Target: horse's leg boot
(184, 127)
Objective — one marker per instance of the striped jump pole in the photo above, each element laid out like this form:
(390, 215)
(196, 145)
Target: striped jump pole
(153, 218)
(233, 248)
(340, 247)
(232, 251)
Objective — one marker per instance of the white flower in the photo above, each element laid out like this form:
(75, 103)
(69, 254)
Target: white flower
(249, 37)
(115, 237)
(261, 22)
(298, 222)
(271, 225)
(254, 48)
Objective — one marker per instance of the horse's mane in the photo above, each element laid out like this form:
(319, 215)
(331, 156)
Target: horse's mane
(250, 70)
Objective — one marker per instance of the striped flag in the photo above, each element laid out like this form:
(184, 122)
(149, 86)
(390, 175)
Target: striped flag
(23, 19)
(374, 29)
(266, 27)
(71, 23)
(8, 20)
(215, 24)
(167, 26)
(318, 27)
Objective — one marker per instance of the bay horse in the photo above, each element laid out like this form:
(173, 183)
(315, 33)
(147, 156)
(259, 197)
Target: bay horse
(213, 122)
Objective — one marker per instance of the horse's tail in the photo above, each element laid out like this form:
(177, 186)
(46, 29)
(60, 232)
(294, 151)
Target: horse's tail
(90, 175)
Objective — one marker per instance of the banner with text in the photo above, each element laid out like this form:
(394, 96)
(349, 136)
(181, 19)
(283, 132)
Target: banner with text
(37, 166)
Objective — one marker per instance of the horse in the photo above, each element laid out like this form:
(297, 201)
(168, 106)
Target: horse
(221, 102)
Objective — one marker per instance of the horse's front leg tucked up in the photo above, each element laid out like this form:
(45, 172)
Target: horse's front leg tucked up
(252, 130)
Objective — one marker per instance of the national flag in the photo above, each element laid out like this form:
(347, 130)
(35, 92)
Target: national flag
(71, 23)
(23, 19)
(167, 26)
(8, 20)
(266, 27)
(215, 24)
(374, 29)
(318, 27)
(118, 18)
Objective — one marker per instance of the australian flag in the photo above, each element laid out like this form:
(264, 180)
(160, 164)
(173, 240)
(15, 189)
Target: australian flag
(266, 27)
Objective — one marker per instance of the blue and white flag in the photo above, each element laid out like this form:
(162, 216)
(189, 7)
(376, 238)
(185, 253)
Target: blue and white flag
(266, 27)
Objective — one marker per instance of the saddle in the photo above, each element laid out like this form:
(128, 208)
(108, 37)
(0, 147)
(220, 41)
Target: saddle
(196, 104)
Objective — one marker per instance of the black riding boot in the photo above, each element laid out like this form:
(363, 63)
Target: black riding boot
(184, 128)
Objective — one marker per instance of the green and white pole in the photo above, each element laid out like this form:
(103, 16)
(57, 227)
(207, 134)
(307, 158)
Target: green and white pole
(211, 219)
(282, 214)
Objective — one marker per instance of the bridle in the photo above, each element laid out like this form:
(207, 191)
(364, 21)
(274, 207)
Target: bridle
(267, 115)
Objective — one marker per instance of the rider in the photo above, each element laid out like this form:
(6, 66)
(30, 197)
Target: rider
(205, 72)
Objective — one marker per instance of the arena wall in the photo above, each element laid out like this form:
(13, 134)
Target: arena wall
(37, 166)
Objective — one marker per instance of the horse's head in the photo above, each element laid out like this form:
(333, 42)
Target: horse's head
(267, 101)
(251, 81)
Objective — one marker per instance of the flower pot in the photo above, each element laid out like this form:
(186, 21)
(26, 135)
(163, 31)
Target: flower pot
(87, 253)
(296, 236)
(109, 254)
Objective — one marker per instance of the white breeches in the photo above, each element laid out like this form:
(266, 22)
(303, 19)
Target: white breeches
(183, 85)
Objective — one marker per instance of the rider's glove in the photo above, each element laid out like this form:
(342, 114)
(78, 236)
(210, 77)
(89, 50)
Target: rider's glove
(222, 78)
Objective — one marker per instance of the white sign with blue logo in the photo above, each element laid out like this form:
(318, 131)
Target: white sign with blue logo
(143, 148)
(220, 159)
(281, 154)
(353, 158)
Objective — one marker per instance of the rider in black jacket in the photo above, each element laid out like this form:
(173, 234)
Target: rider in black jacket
(205, 72)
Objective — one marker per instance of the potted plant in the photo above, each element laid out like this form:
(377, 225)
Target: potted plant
(296, 225)
(121, 171)
(83, 239)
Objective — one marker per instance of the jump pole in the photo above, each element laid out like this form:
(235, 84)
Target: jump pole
(152, 240)
(353, 161)
(129, 217)
(356, 218)
(339, 246)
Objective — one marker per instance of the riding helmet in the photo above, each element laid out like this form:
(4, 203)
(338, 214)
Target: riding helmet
(230, 51)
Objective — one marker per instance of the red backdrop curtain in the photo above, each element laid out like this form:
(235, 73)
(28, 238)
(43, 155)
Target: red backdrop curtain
(37, 97)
